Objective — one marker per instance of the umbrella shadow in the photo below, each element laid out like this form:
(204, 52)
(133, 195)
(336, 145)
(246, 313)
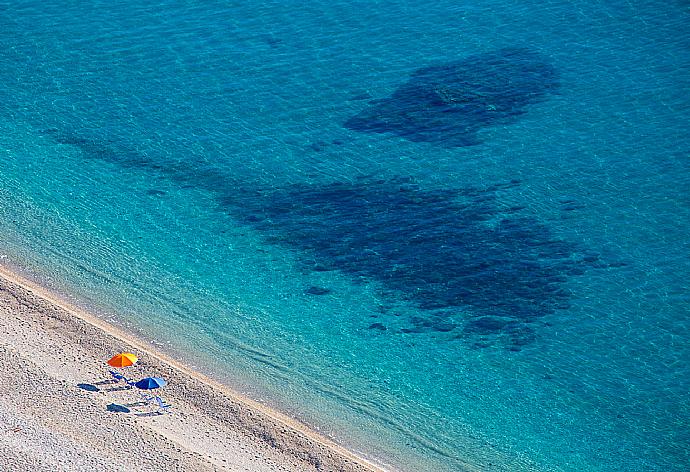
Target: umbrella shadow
(88, 387)
(115, 408)
(150, 413)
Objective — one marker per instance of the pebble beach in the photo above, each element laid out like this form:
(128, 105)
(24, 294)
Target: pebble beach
(61, 410)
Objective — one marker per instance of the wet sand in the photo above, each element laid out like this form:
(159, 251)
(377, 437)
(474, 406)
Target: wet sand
(59, 407)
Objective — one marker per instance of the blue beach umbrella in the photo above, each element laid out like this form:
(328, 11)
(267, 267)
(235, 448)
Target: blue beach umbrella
(150, 383)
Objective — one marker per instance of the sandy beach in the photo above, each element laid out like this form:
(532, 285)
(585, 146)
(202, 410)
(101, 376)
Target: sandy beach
(56, 402)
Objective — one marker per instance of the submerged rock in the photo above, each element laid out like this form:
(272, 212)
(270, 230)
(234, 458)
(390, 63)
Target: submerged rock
(454, 255)
(317, 290)
(377, 326)
(487, 324)
(448, 104)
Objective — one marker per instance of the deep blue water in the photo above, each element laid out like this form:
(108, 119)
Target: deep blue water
(450, 235)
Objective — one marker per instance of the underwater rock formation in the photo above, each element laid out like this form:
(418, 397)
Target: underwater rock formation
(448, 104)
(457, 255)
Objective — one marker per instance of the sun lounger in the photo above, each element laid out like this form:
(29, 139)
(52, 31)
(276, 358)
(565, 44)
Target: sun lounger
(162, 405)
(148, 398)
(116, 375)
(119, 377)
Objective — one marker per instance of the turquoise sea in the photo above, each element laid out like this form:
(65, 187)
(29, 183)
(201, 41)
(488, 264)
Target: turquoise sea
(449, 234)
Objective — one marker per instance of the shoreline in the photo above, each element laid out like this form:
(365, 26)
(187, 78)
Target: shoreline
(56, 323)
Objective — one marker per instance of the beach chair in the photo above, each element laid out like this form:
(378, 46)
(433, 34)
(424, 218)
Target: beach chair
(147, 398)
(116, 375)
(119, 377)
(162, 405)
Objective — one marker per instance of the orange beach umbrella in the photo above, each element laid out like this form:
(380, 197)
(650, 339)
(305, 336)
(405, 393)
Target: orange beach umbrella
(124, 359)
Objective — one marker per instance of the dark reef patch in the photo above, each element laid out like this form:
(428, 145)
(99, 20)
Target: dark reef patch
(458, 255)
(473, 267)
(448, 104)
(105, 150)
(378, 326)
(317, 291)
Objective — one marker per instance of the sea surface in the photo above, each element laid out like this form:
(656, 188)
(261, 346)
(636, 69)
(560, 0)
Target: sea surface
(452, 235)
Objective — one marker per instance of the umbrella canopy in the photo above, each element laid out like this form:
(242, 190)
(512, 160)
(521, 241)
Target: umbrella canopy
(150, 383)
(124, 359)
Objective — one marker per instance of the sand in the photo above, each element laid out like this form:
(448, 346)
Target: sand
(55, 392)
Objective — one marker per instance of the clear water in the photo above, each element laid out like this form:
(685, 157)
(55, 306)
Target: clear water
(449, 234)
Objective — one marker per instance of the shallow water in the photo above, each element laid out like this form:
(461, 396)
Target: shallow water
(449, 235)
